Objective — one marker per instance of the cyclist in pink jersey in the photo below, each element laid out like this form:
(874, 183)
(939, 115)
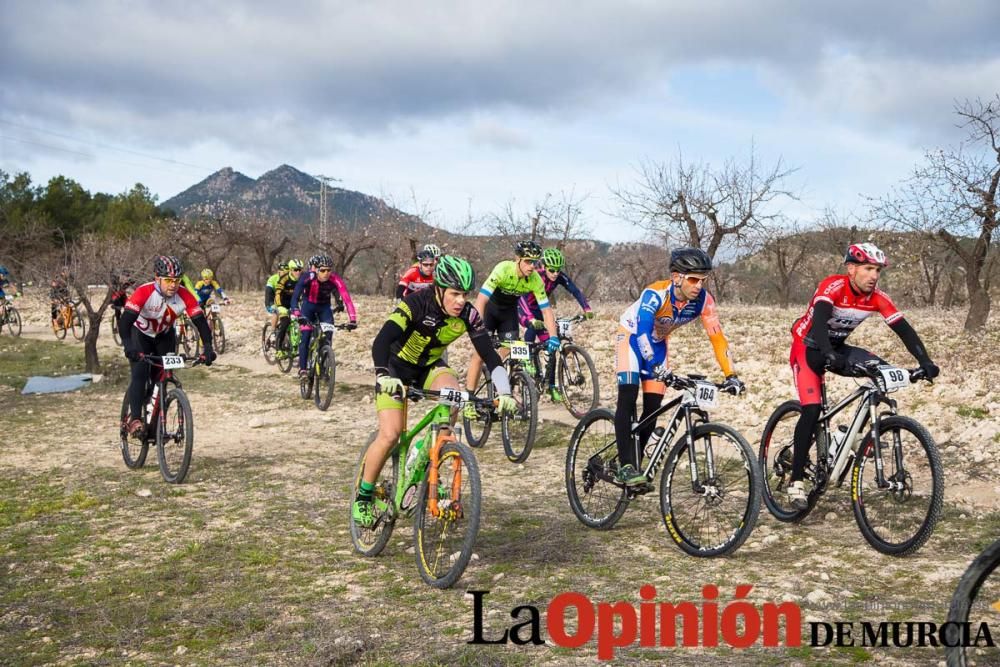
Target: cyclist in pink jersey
(840, 304)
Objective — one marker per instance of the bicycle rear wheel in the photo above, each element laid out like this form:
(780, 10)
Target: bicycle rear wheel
(218, 334)
(134, 451)
(13, 321)
(976, 600)
(716, 514)
(267, 347)
(371, 541)
(78, 324)
(898, 521)
(775, 461)
(477, 430)
(517, 430)
(286, 360)
(443, 541)
(326, 376)
(578, 380)
(595, 497)
(175, 436)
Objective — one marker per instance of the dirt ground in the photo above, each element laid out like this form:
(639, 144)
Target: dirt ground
(250, 561)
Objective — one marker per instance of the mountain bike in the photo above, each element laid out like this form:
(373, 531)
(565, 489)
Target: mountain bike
(215, 323)
(576, 375)
(976, 600)
(517, 430)
(321, 362)
(897, 483)
(711, 483)
(269, 345)
(167, 421)
(68, 318)
(439, 482)
(116, 313)
(188, 339)
(9, 316)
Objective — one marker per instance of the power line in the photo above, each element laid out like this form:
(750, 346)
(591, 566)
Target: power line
(86, 155)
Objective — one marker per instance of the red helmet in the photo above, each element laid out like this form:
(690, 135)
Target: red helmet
(865, 253)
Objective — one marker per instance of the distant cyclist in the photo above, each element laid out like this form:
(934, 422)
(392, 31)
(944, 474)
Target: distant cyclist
(819, 342)
(311, 300)
(641, 346)
(530, 315)
(147, 327)
(420, 275)
(203, 288)
(59, 294)
(278, 299)
(120, 283)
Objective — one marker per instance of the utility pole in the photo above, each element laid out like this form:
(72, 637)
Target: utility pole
(324, 182)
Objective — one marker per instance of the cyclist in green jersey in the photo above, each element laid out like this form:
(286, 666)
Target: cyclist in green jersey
(497, 301)
(278, 298)
(408, 350)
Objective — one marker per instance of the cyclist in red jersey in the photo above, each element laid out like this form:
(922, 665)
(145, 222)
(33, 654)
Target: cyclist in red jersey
(147, 327)
(840, 304)
(419, 276)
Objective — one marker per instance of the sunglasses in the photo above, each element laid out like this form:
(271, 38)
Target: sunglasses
(169, 281)
(322, 270)
(694, 280)
(428, 265)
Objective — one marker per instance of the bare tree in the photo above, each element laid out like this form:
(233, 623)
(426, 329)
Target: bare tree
(705, 208)
(953, 196)
(266, 236)
(786, 250)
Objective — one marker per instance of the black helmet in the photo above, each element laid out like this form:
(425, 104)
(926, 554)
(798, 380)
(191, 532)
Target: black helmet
(528, 250)
(167, 266)
(690, 260)
(323, 260)
(425, 255)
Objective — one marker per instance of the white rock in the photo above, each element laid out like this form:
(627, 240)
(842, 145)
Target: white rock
(769, 539)
(180, 650)
(824, 576)
(144, 493)
(831, 516)
(818, 596)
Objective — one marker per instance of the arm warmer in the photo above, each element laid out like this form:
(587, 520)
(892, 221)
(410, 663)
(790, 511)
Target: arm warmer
(820, 331)
(911, 340)
(268, 296)
(200, 323)
(381, 346)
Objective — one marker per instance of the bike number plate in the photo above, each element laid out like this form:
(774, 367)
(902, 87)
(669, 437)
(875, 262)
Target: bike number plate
(565, 326)
(327, 327)
(706, 395)
(172, 361)
(216, 308)
(519, 351)
(894, 378)
(453, 396)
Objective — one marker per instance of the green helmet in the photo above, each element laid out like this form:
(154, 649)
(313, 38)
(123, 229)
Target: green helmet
(294, 264)
(454, 272)
(553, 259)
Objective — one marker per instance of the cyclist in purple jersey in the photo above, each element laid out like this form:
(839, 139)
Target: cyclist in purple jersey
(311, 300)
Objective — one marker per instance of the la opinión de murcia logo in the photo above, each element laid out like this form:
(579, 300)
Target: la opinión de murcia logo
(572, 620)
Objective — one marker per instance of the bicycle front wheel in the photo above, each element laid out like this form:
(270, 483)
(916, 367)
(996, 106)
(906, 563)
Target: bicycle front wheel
(578, 380)
(61, 324)
(13, 321)
(444, 539)
(372, 540)
(326, 375)
(218, 334)
(595, 497)
(517, 430)
(134, 451)
(974, 602)
(898, 520)
(79, 325)
(714, 514)
(267, 344)
(175, 437)
(477, 430)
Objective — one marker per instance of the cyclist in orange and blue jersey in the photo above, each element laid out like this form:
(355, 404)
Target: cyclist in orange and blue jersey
(641, 346)
(203, 288)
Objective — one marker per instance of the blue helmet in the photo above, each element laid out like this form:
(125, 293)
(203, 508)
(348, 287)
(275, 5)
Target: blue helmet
(3, 270)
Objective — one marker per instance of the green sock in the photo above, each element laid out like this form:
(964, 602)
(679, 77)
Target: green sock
(366, 491)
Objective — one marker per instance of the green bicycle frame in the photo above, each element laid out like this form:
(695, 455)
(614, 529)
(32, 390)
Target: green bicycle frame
(439, 416)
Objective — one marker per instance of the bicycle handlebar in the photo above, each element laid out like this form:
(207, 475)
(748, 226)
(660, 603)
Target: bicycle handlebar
(870, 370)
(413, 394)
(682, 382)
(157, 360)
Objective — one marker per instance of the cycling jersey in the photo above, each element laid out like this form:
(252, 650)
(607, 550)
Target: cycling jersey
(312, 290)
(280, 288)
(657, 312)
(59, 290)
(505, 285)
(422, 331)
(527, 306)
(850, 309)
(156, 313)
(204, 288)
(413, 280)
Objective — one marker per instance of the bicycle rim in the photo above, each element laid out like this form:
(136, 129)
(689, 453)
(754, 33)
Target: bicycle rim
(715, 516)
(775, 462)
(477, 431)
(976, 600)
(134, 450)
(443, 543)
(591, 461)
(175, 439)
(325, 378)
(79, 325)
(371, 541)
(13, 321)
(518, 430)
(267, 344)
(578, 381)
(218, 334)
(898, 522)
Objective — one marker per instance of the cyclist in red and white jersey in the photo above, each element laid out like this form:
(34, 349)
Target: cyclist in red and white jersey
(420, 275)
(840, 304)
(147, 327)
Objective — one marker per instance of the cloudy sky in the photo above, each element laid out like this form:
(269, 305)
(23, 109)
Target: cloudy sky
(465, 106)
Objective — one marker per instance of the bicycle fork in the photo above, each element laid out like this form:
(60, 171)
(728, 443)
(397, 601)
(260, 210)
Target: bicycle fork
(452, 508)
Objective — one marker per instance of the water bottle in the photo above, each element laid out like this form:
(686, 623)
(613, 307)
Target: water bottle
(152, 404)
(411, 458)
(837, 439)
(651, 444)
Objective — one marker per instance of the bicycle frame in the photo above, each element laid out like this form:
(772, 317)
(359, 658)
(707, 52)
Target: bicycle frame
(437, 418)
